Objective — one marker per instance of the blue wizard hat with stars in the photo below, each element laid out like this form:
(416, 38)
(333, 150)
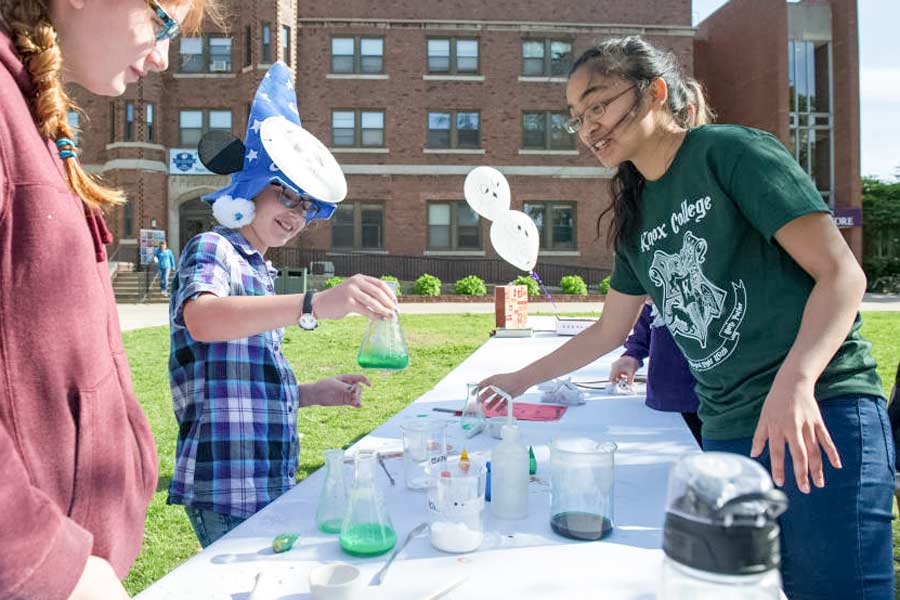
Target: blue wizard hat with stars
(276, 149)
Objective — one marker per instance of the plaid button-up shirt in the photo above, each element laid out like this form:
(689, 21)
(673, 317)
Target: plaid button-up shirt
(236, 402)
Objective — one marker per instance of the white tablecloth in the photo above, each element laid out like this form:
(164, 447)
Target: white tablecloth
(519, 559)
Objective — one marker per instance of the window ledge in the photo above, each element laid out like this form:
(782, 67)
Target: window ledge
(356, 150)
(247, 69)
(128, 241)
(204, 75)
(357, 76)
(530, 79)
(454, 253)
(344, 251)
(560, 253)
(453, 150)
(453, 77)
(536, 152)
(142, 145)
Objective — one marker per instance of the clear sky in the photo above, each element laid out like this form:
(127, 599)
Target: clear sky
(879, 57)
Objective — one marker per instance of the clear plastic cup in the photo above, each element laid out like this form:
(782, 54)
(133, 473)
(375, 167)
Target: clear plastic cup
(424, 451)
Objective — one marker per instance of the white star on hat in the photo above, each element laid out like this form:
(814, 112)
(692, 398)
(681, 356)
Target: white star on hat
(256, 125)
(252, 155)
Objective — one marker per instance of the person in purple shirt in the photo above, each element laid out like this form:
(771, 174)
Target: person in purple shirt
(670, 385)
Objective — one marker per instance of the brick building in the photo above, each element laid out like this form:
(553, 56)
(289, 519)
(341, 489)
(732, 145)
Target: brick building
(411, 95)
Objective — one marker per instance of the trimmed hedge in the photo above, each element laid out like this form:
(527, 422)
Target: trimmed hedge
(428, 285)
(331, 282)
(574, 285)
(471, 285)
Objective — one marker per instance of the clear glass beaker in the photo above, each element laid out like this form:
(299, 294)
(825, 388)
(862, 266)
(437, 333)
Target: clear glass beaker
(424, 451)
(582, 477)
(367, 529)
(472, 417)
(383, 345)
(456, 503)
(333, 498)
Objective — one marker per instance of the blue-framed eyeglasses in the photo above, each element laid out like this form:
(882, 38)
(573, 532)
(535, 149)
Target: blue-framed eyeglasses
(168, 28)
(289, 199)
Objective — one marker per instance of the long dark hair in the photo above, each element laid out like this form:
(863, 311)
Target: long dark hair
(640, 63)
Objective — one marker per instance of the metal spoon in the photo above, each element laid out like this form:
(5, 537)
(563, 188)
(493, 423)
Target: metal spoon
(379, 576)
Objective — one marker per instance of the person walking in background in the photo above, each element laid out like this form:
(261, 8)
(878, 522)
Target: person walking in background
(78, 464)
(165, 262)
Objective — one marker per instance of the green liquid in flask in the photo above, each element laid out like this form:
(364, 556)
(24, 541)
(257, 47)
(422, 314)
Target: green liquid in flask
(378, 360)
(331, 526)
(368, 539)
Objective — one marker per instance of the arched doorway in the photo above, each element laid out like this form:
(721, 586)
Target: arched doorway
(195, 216)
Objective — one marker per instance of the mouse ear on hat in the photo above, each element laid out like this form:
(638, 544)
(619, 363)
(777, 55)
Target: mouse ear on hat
(221, 152)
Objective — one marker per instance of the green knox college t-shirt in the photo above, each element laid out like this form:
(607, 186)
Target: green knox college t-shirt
(730, 295)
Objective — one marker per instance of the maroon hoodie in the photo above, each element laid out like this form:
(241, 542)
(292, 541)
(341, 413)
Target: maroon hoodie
(77, 459)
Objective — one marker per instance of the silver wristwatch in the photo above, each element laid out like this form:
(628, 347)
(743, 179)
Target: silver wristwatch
(307, 321)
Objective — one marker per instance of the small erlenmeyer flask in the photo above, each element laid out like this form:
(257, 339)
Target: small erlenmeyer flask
(367, 529)
(383, 345)
(472, 418)
(333, 499)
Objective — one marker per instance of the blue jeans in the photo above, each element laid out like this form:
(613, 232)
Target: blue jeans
(210, 526)
(836, 542)
(164, 279)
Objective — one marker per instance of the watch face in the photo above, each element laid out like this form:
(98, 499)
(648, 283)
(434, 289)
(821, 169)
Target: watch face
(307, 321)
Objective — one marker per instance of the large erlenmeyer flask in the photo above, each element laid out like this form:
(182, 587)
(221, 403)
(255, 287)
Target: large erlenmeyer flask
(383, 345)
(333, 499)
(367, 529)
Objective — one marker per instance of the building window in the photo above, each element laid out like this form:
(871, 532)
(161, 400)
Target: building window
(452, 55)
(454, 129)
(248, 46)
(112, 122)
(555, 222)
(453, 226)
(193, 124)
(129, 121)
(357, 55)
(219, 54)
(286, 43)
(811, 120)
(128, 220)
(358, 226)
(73, 118)
(210, 53)
(544, 130)
(357, 128)
(546, 58)
(150, 118)
(190, 52)
(267, 43)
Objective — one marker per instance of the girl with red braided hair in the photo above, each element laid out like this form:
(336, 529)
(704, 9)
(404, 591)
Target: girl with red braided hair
(78, 464)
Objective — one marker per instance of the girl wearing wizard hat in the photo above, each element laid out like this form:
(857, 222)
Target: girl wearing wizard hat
(234, 393)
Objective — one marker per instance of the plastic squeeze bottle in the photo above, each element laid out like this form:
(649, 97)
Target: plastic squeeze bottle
(509, 476)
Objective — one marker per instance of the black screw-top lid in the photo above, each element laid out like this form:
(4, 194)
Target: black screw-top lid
(715, 548)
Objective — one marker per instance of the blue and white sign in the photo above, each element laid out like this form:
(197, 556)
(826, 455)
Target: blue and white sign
(186, 161)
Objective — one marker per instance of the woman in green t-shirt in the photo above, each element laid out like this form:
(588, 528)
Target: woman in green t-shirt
(730, 238)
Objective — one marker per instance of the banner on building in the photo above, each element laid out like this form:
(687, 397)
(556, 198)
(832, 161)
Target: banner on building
(847, 217)
(149, 241)
(186, 161)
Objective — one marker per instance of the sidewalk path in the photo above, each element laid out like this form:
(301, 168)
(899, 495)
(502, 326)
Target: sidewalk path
(137, 316)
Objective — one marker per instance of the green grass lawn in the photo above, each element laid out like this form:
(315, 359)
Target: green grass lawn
(437, 344)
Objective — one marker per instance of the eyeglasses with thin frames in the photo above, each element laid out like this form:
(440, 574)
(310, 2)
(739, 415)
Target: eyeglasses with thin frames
(167, 28)
(593, 112)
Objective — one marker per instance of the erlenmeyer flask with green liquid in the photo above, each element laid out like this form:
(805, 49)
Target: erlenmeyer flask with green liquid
(367, 529)
(383, 345)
